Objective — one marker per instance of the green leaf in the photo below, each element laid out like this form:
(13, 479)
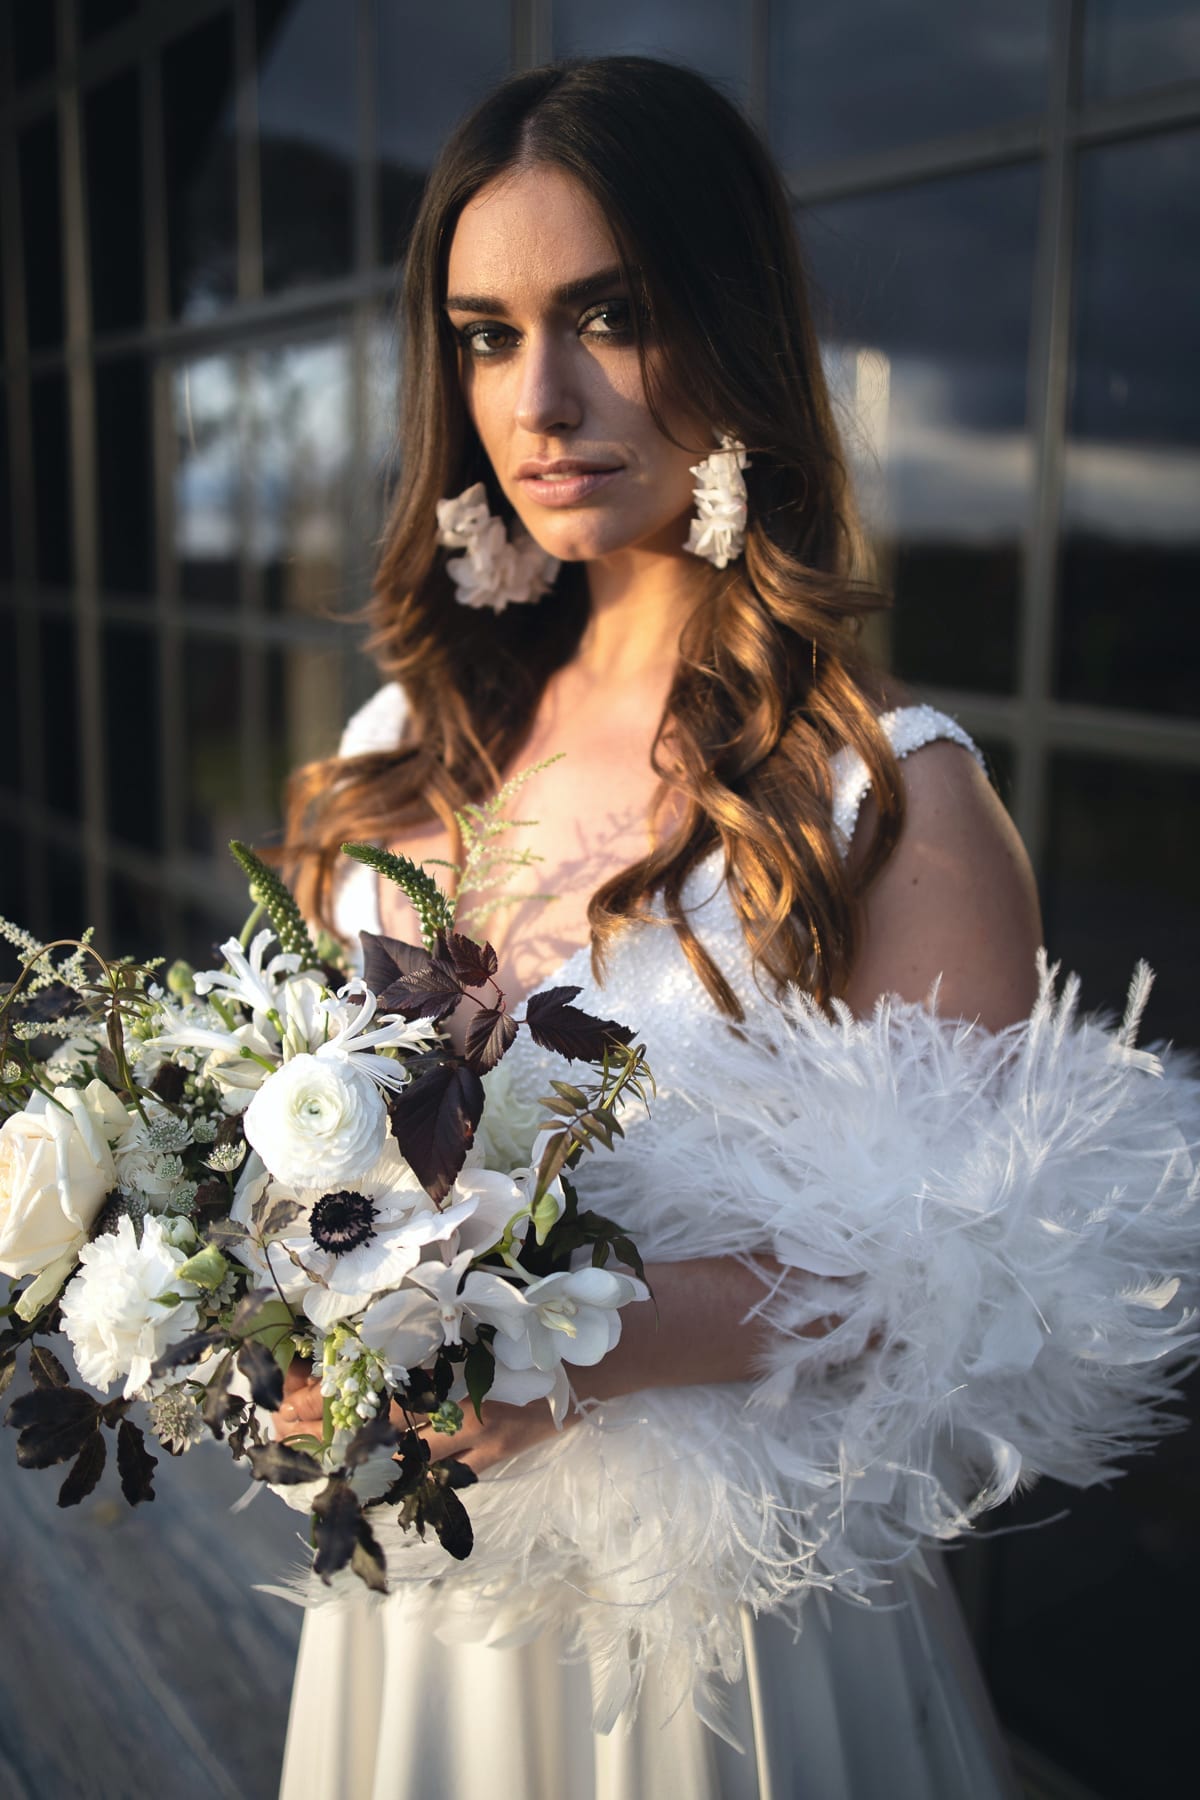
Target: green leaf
(207, 1268)
(431, 906)
(270, 891)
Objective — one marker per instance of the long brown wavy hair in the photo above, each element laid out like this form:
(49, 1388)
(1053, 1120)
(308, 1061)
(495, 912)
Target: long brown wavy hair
(770, 678)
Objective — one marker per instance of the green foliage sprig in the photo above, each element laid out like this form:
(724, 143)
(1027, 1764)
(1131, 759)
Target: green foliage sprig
(431, 906)
(271, 892)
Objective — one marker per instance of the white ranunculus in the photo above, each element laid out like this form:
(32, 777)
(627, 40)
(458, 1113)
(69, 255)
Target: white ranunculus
(56, 1167)
(317, 1122)
(112, 1313)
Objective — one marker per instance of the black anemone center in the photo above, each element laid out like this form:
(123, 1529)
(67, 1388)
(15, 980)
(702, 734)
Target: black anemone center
(342, 1221)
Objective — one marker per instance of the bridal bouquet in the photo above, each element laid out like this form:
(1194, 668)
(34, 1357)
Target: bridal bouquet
(205, 1176)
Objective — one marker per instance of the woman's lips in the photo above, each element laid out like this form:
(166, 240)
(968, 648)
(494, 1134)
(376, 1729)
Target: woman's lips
(567, 488)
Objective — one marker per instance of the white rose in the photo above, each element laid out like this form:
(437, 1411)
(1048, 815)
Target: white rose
(56, 1167)
(317, 1122)
(111, 1310)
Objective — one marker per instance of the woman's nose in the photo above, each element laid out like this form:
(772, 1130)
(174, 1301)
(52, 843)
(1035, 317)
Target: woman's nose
(548, 400)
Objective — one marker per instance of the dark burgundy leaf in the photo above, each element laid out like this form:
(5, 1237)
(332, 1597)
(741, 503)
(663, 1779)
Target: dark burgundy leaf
(109, 1069)
(135, 1464)
(473, 963)
(211, 1194)
(283, 1466)
(187, 1350)
(385, 959)
(368, 1561)
(429, 991)
(263, 1373)
(480, 1372)
(8, 1368)
(377, 1434)
(452, 1522)
(226, 1234)
(218, 1403)
(46, 1369)
(338, 1517)
(569, 1031)
(54, 1424)
(88, 1468)
(458, 1473)
(489, 1035)
(434, 1120)
(168, 1083)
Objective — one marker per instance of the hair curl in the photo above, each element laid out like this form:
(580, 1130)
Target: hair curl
(771, 678)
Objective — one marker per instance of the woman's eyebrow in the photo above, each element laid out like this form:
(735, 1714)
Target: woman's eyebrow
(586, 288)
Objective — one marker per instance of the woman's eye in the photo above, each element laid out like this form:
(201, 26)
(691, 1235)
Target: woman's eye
(485, 340)
(611, 319)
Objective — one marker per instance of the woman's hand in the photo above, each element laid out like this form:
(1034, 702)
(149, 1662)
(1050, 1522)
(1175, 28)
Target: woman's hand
(303, 1411)
(504, 1432)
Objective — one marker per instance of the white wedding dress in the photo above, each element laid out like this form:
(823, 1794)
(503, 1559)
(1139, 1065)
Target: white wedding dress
(881, 1701)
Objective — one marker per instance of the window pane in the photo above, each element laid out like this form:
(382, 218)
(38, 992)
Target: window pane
(1130, 628)
(6, 542)
(112, 126)
(123, 471)
(131, 712)
(307, 137)
(300, 407)
(98, 16)
(1130, 44)
(33, 39)
(41, 238)
(51, 479)
(59, 681)
(136, 912)
(432, 64)
(65, 893)
(208, 479)
(200, 152)
(305, 711)
(214, 790)
(12, 775)
(1123, 881)
(922, 300)
(712, 36)
(14, 901)
(846, 80)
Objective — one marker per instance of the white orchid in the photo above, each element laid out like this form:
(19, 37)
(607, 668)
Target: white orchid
(570, 1317)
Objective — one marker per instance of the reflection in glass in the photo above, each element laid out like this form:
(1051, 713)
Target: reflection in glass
(214, 791)
(712, 36)
(468, 46)
(124, 476)
(200, 154)
(846, 80)
(1132, 44)
(51, 478)
(307, 136)
(305, 709)
(41, 238)
(922, 303)
(1122, 880)
(112, 168)
(59, 713)
(208, 479)
(300, 432)
(129, 658)
(1130, 626)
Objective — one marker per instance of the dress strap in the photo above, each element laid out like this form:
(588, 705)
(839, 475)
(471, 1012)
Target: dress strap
(376, 726)
(908, 728)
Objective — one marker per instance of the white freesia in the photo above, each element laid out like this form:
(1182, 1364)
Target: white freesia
(718, 532)
(317, 1122)
(111, 1310)
(56, 1167)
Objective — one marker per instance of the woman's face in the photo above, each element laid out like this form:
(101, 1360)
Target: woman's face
(551, 376)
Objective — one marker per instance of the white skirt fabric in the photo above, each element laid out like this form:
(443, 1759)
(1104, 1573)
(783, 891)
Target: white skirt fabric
(867, 1703)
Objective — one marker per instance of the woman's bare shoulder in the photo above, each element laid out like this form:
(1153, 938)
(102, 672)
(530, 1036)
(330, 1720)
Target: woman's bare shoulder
(956, 899)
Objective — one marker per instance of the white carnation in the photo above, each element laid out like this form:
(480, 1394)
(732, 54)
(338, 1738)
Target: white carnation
(317, 1122)
(112, 1313)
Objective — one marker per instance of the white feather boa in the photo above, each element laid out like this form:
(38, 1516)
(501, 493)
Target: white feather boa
(1007, 1227)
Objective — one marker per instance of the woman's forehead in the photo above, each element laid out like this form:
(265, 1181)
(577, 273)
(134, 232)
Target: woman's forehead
(527, 234)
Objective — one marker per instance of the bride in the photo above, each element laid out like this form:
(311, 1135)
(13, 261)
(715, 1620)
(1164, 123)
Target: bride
(606, 327)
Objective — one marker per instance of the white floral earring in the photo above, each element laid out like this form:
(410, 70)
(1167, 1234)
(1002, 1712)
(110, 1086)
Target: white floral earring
(491, 571)
(718, 532)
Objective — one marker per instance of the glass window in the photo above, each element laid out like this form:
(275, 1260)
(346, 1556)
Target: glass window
(305, 712)
(131, 715)
(33, 39)
(383, 404)
(124, 476)
(15, 859)
(307, 122)
(214, 790)
(208, 479)
(712, 36)
(922, 302)
(12, 775)
(41, 237)
(98, 16)
(300, 433)
(465, 48)
(879, 74)
(59, 682)
(135, 913)
(200, 153)
(112, 167)
(1129, 627)
(65, 893)
(6, 541)
(1122, 880)
(51, 478)
(1131, 44)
